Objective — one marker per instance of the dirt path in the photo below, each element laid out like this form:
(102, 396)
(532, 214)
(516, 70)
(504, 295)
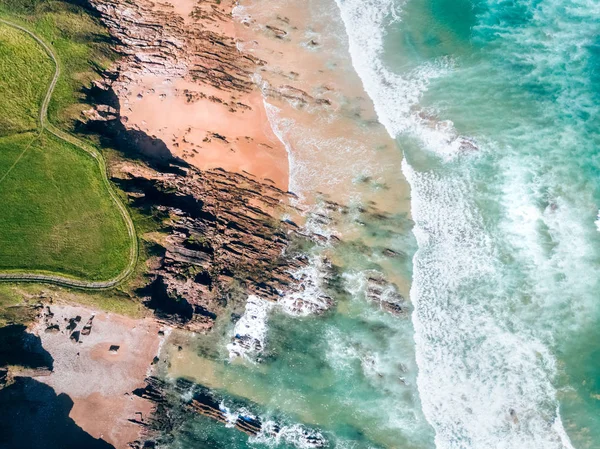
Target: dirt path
(46, 125)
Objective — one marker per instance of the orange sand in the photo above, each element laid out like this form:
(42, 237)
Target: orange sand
(182, 114)
(188, 128)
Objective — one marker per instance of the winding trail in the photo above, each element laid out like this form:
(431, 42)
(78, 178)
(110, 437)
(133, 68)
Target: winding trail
(46, 125)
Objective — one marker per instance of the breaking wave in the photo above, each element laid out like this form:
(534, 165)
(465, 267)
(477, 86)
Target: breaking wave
(486, 372)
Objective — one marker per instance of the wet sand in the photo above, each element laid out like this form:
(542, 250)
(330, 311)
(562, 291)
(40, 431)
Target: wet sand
(337, 148)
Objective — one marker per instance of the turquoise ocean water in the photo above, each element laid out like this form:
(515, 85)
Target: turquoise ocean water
(493, 106)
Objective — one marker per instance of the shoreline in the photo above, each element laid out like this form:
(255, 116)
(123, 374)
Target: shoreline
(194, 93)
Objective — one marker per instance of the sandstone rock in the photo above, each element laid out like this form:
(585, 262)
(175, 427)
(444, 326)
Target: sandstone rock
(223, 238)
(87, 329)
(201, 400)
(52, 329)
(386, 295)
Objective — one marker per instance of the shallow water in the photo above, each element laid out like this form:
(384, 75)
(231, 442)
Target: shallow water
(493, 110)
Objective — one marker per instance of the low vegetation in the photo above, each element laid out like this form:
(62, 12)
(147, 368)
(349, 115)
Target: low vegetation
(81, 43)
(57, 215)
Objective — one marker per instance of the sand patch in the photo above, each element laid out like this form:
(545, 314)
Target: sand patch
(99, 359)
(207, 127)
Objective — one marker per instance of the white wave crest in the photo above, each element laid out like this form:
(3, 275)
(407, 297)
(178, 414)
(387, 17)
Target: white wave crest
(484, 382)
(307, 296)
(297, 435)
(250, 332)
(396, 97)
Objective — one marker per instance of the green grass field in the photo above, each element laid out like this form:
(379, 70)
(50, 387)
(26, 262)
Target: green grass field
(83, 47)
(57, 215)
(25, 71)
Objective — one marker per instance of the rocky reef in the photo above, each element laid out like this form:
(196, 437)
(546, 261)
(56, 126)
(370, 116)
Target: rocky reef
(221, 236)
(220, 239)
(176, 401)
(155, 39)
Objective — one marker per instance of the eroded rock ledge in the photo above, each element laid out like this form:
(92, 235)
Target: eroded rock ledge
(173, 401)
(223, 240)
(155, 39)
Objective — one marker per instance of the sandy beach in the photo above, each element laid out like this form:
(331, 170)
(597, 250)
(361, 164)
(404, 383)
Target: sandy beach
(100, 369)
(202, 120)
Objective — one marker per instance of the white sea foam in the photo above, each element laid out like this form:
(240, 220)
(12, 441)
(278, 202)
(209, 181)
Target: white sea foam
(279, 127)
(250, 332)
(545, 230)
(484, 382)
(395, 97)
(230, 416)
(272, 434)
(307, 296)
(310, 155)
(341, 354)
(355, 283)
(240, 14)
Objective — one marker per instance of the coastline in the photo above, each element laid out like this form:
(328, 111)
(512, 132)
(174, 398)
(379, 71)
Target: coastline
(217, 118)
(343, 241)
(191, 67)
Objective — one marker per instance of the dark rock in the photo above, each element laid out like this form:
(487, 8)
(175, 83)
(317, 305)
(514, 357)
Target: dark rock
(72, 324)
(75, 336)
(52, 329)
(385, 293)
(391, 253)
(168, 397)
(224, 232)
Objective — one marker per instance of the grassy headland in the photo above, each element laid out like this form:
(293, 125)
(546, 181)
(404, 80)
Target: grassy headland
(83, 47)
(58, 216)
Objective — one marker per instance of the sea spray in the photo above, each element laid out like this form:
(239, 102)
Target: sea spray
(296, 435)
(484, 382)
(250, 331)
(307, 296)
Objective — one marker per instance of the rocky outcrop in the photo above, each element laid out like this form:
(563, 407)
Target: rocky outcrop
(174, 400)
(155, 41)
(385, 293)
(221, 240)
